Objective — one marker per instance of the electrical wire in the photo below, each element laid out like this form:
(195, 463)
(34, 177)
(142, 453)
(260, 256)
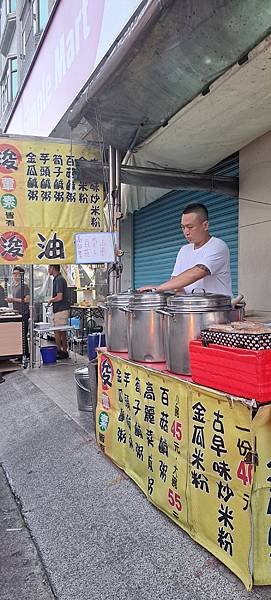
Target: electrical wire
(255, 201)
(104, 165)
(71, 171)
(257, 223)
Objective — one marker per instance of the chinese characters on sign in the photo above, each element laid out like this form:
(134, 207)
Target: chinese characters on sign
(42, 206)
(187, 450)
(94, 248)
(261, 495)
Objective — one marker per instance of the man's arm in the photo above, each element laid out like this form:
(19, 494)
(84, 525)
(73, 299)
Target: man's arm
(182, 290)
(59, 289)
(57, 298)
(186, 278)
(19, 300)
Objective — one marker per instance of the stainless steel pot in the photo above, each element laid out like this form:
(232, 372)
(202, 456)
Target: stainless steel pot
(115, 321)
(145, 327)
(184, 318)
(237, 312)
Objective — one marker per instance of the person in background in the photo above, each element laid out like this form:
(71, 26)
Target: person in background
(59, 302)
(3, 302)
(203, 263)
(17, 301)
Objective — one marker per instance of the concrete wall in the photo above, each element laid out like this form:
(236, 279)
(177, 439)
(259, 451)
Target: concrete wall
(255, 224)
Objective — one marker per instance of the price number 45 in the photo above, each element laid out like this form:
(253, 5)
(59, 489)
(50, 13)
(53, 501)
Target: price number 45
(176, 430)
(174, 500)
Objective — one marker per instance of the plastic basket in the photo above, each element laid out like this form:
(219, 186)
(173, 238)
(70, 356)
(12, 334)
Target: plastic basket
(75, 322)
(48, 354)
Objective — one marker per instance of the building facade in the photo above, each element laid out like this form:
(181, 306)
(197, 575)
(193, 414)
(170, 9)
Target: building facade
(22, 23)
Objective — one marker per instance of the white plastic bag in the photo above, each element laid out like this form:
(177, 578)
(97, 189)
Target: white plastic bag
(50, 315)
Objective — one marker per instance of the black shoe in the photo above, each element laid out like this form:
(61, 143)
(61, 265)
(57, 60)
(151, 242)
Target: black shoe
(61, 354)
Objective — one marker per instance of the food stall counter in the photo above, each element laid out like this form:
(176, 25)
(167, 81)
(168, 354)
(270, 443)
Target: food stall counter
(199, 455)
(11, 333)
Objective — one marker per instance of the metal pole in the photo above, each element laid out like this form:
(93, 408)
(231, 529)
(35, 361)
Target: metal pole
(31, 322)
(118, 216)
(23, 316)
(111, 208)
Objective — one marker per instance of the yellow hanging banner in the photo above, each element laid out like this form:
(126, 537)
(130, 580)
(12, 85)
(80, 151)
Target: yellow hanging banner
(261, 498)
(186, 448)
(41, 204)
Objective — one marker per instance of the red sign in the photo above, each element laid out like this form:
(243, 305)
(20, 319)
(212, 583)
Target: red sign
(10, 158)
(106, 372)
(12, 245)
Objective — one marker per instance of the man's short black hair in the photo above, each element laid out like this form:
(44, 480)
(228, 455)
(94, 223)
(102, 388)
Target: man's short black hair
(56, 267)
(200, 209)
(20, 269)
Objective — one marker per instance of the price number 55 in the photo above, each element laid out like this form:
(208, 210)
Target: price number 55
(174, 500)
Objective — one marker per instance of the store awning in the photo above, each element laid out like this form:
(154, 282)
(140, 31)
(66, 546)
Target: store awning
(187, 85)
(171, 53)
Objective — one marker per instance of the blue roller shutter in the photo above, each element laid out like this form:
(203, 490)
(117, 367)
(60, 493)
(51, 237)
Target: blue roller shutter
(157, 234)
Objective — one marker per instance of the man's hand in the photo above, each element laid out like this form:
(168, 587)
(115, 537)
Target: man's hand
(147, 288)
(9, 299)
(50, 302)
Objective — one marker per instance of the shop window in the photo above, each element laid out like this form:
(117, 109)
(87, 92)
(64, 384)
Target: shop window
(5, 91)
(23, 45)
(14, 77)
(10, 6)
(9, 83)
(40, 15)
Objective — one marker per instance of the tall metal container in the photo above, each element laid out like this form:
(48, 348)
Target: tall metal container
(145, 327)
(81, 378)
(184, 318)
(115, 321)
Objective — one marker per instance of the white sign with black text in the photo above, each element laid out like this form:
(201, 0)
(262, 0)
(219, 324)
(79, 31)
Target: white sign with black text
(92, 248)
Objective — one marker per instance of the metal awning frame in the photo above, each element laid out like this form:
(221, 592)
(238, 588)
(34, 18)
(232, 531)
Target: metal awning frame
(93, 171)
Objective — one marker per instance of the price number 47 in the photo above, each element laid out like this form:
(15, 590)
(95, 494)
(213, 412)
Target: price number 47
(244, 472)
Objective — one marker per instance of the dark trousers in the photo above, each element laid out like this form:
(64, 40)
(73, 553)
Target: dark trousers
(25, 340)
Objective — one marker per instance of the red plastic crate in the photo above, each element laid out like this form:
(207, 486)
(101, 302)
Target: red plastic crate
(236, 371)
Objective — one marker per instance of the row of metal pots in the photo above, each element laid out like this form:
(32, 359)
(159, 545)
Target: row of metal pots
(155, 327)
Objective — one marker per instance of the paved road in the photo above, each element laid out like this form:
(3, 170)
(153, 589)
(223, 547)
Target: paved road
(22, 575)
(96, 534)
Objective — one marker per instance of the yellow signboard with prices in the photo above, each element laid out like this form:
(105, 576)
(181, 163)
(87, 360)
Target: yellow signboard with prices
(261, 497)
(186, 448)
(42, 206)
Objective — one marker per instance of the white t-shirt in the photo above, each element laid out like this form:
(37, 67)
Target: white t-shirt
(215, 255)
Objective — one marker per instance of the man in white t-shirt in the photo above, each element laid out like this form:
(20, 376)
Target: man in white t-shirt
(203, 263)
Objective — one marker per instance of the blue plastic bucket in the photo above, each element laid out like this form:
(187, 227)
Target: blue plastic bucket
(48, 354)
(95, 340)
(75, 322)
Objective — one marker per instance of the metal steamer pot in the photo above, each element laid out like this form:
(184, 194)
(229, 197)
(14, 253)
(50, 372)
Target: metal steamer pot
(145, 329)
(238, 305)
(115, 321)
(185, 317)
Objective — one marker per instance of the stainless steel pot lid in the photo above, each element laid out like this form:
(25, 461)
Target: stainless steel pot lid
(148, 300)
(121, 299)
(198, 302)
